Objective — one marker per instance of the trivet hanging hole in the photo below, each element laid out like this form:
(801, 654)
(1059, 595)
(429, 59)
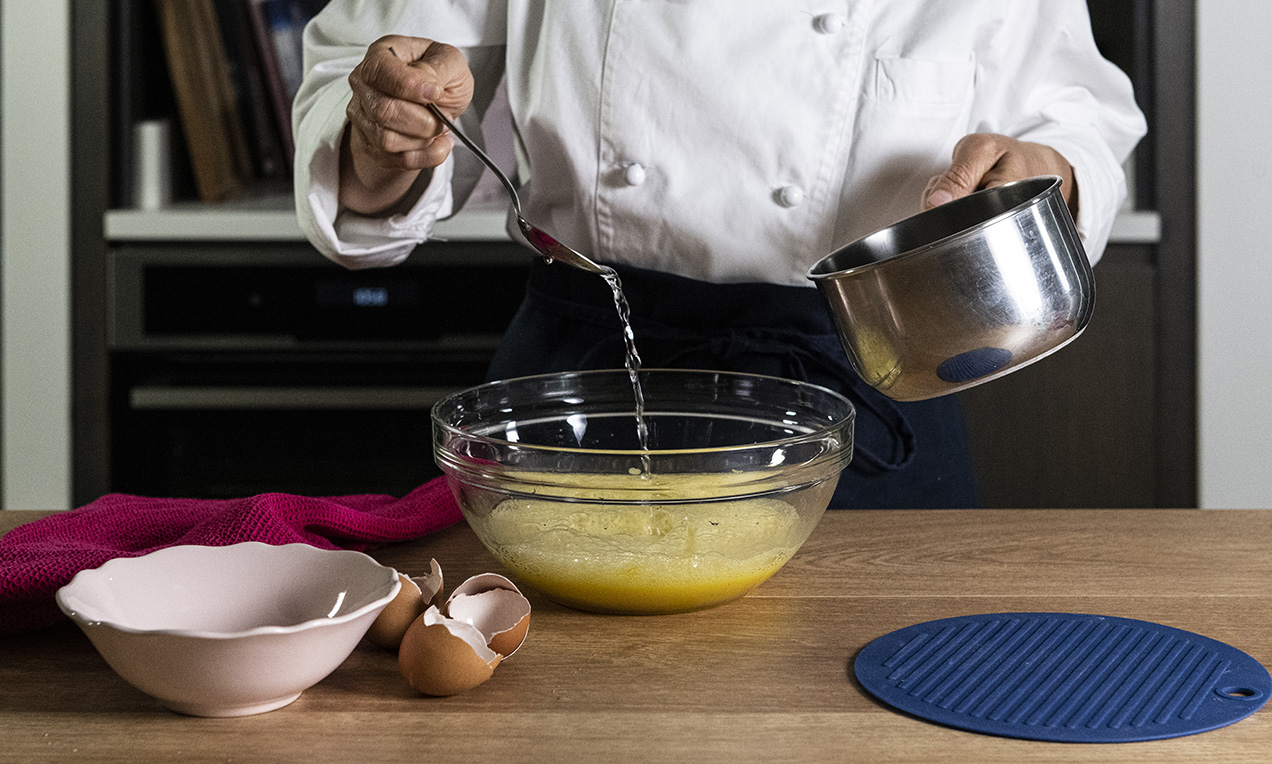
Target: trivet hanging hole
(1239, 693)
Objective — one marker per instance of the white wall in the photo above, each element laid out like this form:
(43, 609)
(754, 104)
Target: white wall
(1234, 143)
(34, 262)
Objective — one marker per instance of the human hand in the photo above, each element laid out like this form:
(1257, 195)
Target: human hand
(391, 136)
(984, 160)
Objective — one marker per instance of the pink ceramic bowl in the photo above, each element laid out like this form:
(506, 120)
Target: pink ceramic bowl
(231, 630)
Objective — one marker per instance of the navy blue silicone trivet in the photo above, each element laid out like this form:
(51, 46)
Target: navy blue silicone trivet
(1064, 677)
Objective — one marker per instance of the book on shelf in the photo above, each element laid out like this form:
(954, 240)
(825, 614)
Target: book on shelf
(247, 76)
(205, 97)
(279, 26)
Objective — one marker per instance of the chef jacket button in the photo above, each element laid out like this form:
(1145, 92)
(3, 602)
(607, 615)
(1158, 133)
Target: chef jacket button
(790, 196)
(634, 175)
(828, 23)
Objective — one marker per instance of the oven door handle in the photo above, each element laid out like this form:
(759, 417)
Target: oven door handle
(239, 397)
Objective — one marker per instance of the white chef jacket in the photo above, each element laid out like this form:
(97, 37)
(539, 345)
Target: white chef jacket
(726, 140)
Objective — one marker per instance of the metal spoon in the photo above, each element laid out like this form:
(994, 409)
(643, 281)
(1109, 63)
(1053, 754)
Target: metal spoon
(550, 248)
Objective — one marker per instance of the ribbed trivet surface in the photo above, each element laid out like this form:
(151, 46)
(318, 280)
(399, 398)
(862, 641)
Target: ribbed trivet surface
(1063, 677)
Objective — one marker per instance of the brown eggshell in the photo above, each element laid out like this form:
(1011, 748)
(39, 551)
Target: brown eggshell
(496, 607)
(440, 656)
(483, 582)
(508, 642)
(431, 584)
(391, 624)
(412, 599)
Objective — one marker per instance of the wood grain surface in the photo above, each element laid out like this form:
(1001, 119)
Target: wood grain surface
(767, 678)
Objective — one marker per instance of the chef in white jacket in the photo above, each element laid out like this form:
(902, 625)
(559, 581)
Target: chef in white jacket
(711, 151)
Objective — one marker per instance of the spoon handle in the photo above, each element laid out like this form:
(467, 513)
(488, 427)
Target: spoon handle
(507, 184)
(547, 246)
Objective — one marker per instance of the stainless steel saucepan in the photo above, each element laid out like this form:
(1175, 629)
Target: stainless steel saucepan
(963, 293)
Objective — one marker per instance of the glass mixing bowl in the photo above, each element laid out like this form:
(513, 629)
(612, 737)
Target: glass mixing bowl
(549, 472)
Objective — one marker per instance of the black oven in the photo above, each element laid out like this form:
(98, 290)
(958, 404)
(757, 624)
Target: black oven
(238, 370)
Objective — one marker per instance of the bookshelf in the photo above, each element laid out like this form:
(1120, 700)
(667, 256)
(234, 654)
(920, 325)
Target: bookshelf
(1115, 409)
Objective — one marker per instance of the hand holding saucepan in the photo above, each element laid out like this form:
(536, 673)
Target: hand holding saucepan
(985, 160)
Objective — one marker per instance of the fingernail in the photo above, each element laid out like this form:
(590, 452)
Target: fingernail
(939, 197)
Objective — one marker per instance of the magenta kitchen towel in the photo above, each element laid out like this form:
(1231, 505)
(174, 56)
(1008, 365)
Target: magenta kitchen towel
(38, 558)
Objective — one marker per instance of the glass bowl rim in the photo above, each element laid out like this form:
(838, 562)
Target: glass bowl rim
(848, 418)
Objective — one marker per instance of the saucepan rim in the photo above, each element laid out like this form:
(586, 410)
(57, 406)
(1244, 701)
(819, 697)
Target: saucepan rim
(1049, 184)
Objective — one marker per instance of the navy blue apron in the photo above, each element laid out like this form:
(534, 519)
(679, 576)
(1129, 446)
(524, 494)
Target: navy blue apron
(906, 455)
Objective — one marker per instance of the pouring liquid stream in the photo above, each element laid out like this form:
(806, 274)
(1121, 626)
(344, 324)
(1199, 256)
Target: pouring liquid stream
(547, 247)
(633, 365)
(552, 250)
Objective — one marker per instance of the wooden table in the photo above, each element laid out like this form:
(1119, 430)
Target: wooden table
(767, 678)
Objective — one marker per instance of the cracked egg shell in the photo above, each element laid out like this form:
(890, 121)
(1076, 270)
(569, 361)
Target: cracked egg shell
(496, 607)
(442, 656)
(416, 595)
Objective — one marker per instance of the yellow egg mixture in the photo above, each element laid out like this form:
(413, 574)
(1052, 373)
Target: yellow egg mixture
(644, 559)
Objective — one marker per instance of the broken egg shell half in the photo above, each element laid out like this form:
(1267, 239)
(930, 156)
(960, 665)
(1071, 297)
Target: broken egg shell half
(415, 596)
(496, 607)
(484, 620)
(441, 656)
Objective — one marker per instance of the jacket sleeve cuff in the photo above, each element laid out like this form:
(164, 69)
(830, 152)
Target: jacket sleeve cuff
(1101, 185)
(352, 240)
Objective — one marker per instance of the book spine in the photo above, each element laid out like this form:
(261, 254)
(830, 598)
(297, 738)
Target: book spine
(262, 14)
(209, 114)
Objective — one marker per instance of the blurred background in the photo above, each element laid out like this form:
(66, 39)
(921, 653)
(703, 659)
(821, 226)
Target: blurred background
(165, 330)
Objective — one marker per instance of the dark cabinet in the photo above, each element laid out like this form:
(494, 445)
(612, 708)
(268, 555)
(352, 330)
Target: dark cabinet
(1076, 429)
(1110, 421)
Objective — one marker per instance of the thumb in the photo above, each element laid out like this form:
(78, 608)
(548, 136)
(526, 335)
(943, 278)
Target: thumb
(974, 156)
(450, 70)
